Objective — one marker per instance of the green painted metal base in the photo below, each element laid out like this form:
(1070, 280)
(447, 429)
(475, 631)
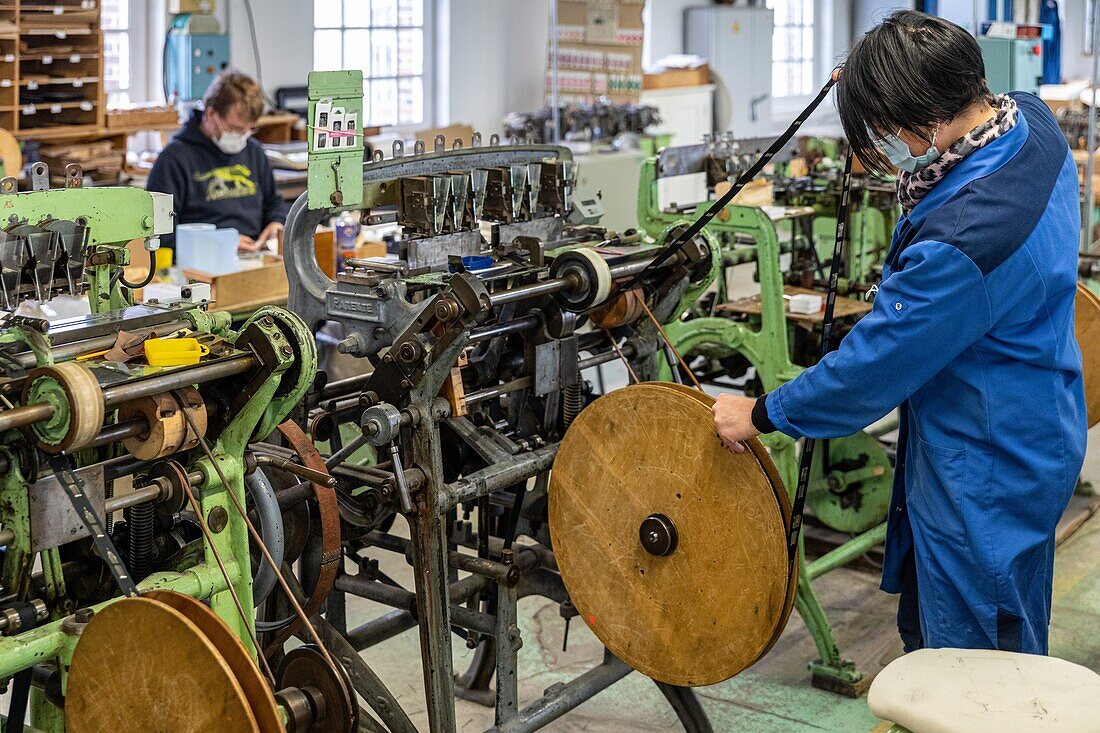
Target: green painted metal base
(843, 679)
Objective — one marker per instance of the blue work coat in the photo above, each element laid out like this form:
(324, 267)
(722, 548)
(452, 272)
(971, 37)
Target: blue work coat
(972, 334)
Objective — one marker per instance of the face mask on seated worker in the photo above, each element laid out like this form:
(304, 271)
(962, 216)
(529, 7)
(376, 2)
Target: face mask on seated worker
(232, 143)
(897, 151)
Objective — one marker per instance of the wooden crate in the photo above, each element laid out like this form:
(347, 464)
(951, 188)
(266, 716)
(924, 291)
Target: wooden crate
(247, 290)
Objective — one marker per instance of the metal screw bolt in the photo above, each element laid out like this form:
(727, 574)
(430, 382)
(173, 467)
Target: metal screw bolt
(286, 351)
(84, 615)
(217, 519)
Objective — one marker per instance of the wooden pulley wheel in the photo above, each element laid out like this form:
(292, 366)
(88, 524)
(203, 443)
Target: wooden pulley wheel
(167, 430)
(760, 453)
(1087, 320)
(620, 311)
(74, 392)
(141, 665)
(255, 688)
(673, 549)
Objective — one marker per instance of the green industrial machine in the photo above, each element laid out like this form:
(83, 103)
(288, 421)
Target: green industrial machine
(88, 430)
(851, 480)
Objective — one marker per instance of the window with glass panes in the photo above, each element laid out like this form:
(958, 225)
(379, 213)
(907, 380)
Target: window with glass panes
(115, 20)
(792, 47)
(384, 38)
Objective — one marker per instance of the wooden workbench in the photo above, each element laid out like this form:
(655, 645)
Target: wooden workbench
(845, 307)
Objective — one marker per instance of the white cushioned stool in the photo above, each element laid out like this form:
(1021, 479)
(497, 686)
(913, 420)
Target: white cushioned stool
(980, 691)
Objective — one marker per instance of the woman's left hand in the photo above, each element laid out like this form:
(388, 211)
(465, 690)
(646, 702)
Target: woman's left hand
(733, 419)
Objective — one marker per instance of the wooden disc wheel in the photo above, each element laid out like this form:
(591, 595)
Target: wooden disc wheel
(256, 689)
(73, 391)
(1088, 338)
(142, 665)
(673, 549)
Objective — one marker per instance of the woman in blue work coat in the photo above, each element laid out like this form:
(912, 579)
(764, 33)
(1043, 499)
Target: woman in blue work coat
(971, 334)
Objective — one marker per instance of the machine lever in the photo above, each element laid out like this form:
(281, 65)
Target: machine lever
(303, 472)
(404, 498)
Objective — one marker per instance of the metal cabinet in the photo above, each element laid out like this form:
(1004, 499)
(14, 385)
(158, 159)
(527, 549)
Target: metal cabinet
(737, 43)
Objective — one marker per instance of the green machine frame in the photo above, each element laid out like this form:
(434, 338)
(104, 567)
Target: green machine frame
(113, 217)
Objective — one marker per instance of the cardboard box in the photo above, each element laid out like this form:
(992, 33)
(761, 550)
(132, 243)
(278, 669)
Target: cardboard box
(600, 21)
(458, 131)
(670, 78)
(178, 7)
(247, 290)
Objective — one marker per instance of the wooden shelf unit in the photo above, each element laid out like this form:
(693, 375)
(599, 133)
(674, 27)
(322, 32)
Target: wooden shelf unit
(51, 68)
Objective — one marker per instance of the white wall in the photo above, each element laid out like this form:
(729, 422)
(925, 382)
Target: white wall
(665, 23)
(868, 13)
(492, 60)
(284, 30)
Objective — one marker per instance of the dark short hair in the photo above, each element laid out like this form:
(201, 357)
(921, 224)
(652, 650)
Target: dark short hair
(231, 88)
(911, 72)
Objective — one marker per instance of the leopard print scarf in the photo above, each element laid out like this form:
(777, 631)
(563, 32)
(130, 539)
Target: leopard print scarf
(912, 187)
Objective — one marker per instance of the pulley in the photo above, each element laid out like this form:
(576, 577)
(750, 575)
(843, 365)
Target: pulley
(852, 493)
(318, 697)
(77, 400)
(142, 664)
(590, 275)
(673, 549)
(621, 311)
(1088, 339)
(168, 431)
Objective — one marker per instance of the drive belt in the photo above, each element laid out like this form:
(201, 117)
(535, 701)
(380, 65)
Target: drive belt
(798, 504)
(62, 465)
(670, 249)
(329, 512)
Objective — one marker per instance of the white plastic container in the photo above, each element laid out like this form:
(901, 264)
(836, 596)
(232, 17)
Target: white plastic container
(805, 303)
(206, 248)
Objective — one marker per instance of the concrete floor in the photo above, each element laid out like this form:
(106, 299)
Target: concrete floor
(772, 697)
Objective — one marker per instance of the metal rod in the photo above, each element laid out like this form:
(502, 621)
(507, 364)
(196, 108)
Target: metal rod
(563, 698)
(18, 417)
(490, 392)
(119, 431)
(555, 113)
(1090, 166)
(850, 550)
(507, 575)
(498, 476)
(534, 290)
(388, 595)
(525, 323)
(555, 285)
(385, 627)
(296, 469)
(597, 359)
(117, 395)
(344, 386)
(140, 495)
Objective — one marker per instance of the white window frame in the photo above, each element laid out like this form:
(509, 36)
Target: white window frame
(813, 33)
(146, 32)
(428, 76)
(785, 108)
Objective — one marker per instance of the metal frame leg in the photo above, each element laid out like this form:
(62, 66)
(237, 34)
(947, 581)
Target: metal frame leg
(688, 708)
(508, 646)
(433, 612)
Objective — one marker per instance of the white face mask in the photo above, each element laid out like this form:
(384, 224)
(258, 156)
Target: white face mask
(232, 143)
